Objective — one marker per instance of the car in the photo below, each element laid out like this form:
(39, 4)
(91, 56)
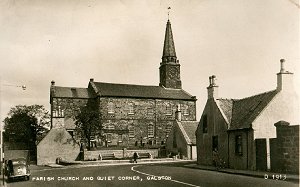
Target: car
(17, 169)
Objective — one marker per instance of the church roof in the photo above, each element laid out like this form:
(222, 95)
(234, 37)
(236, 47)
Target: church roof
(71, 92)
(169, 47)
(190, 128)
(140, 91)
(242, 112)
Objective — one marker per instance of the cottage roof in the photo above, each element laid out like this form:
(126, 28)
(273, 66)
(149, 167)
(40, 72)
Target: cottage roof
(140, 91)
(70, 92)
(246, 110)
(190, 128)
(242, 112)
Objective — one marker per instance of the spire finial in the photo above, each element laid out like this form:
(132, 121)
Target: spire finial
(169, 8)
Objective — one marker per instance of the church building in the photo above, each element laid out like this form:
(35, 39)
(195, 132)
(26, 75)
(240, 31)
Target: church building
(130, 115)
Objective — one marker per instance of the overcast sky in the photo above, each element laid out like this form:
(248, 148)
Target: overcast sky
(121, 41)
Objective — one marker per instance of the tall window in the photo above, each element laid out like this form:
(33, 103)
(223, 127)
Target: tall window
(168, 129)
(131, 108)
(204, 124)
(215, 143)
(109, 137)
(186, 111)
(150, 130)
(239, 145)
(58, 112)
(168, 109)
(111, 108)
(131, 132)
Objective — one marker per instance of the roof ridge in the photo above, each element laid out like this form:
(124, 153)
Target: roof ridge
(127, 84)
(257, 95)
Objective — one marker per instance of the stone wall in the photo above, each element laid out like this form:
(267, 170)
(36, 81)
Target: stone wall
(145, 112)
(63, 111)
(285, 148)
(125, 153)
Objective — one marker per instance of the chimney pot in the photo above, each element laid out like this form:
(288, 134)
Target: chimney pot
(282, 65)
(91, 79)
(213, 80)
(52, 83)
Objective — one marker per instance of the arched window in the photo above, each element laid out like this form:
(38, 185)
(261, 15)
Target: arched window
(111, 108)
(150, 130)
(204, 123)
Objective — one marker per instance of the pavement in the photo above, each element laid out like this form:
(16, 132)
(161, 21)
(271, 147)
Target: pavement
(188, 164)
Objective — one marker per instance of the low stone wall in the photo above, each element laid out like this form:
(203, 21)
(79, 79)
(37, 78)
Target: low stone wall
(94, 155)
(285, 148)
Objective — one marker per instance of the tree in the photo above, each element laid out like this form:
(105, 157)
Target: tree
(87, 121)
(27, 124)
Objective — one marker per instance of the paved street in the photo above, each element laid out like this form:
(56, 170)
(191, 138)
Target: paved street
(142, 175)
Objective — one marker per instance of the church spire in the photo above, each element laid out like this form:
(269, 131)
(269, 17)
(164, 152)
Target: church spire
(169, 76)
(169, 54)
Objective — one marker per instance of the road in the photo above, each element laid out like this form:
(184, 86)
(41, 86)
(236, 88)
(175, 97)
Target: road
(142, 175)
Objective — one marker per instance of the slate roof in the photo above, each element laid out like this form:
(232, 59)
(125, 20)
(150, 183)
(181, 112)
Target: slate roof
(169, 47)
(190, 128)
(70, 92)
(242, 112)
(226, 106)
(140, 91)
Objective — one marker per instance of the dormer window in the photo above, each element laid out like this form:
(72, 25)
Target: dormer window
(111, 108)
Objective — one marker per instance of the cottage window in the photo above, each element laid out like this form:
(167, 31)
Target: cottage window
(131, 108)
(131, 132)
(168, 109)
(150, 130)
(204, 124)
(239, 145)
(111, 108)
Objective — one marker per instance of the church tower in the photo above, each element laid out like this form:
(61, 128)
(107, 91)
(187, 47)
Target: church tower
(169, 69)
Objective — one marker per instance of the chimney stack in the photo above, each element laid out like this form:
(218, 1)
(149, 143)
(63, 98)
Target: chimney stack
(284, 78)
(212, 89)
(178, 113)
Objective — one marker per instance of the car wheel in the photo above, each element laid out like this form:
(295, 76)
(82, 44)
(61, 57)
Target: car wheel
(27, 178)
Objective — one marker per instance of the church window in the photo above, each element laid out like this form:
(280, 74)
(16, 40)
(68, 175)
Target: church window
(111, 108)
(131, 108)
(204, 124)
(186, 111)
(168, 130)
(131, 132)
(168, 109)
(151, 130)
(109, 138)
(238, 145)
(150, 111)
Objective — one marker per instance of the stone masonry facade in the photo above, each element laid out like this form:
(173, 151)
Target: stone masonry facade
(285, 148)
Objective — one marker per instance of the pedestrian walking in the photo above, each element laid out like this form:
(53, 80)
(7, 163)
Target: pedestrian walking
(135, 157)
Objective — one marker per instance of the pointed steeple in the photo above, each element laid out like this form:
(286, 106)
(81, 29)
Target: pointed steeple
(169, 70)
(169, 54)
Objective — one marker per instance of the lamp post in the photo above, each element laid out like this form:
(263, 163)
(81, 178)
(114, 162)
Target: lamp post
(2, 127)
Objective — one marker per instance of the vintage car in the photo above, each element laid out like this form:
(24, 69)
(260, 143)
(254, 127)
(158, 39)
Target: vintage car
(16, 169)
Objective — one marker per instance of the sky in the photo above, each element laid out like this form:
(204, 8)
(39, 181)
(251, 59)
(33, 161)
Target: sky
(121, 41)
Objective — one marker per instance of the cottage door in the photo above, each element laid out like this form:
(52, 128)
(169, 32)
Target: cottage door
(261, 154)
